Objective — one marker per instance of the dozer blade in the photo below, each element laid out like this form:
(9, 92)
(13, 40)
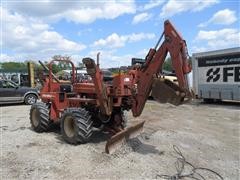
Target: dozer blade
(121, 137)
(165, 91)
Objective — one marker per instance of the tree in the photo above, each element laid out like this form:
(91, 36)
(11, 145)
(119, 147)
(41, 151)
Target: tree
(14, 67)
(58, 66)
(167, 65)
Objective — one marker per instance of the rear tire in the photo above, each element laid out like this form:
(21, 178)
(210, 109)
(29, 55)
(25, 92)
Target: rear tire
(39, 117)
(76, 126)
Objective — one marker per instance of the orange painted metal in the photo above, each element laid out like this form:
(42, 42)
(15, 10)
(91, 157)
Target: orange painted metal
(176, 47)
(127, 91)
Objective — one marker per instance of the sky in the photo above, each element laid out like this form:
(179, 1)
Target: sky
(119, 30)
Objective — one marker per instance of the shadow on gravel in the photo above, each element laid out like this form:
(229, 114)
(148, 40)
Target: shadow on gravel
(134, 144)
(98, 137)
(220, 104)
(56, 131)
(138, 146)
(225, 104)
(13, 104)
(55, 128)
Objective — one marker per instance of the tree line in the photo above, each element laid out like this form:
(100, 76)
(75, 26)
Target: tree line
(22, 66)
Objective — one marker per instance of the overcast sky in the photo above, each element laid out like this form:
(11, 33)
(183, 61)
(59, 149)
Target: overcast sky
(120, 30)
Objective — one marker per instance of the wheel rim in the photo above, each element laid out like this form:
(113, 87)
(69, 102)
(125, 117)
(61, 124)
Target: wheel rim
(69, 126)
(31, 100)
(35, 118)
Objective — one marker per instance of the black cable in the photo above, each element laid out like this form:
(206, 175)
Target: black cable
(180, 167)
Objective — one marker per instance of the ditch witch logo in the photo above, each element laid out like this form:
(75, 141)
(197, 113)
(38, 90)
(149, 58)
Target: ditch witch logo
(214, 74)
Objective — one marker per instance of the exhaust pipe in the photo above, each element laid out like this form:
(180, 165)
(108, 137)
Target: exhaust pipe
(98, 55)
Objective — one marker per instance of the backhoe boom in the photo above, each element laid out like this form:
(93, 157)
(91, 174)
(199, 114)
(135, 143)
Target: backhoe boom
(176, 47)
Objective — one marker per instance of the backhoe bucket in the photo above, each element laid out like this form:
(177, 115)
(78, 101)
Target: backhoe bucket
(165, 91)
(122, 137)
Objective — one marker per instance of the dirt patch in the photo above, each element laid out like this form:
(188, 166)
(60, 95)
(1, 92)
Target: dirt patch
(207, 134)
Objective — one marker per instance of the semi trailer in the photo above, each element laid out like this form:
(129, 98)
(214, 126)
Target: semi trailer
(216, 75)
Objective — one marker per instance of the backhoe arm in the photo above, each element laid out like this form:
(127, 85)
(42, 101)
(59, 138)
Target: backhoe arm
(144, 77)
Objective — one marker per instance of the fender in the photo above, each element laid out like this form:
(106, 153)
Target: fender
(31, 92)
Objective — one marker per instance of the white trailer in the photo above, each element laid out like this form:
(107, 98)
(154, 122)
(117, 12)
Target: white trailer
(216, 74)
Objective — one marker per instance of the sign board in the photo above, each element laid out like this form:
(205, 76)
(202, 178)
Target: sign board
(219, 70)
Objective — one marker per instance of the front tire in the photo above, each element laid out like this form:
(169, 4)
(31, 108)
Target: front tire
(39, 117)
(76, 126)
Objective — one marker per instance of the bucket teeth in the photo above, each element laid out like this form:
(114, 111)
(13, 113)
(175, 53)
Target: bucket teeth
(122, 137)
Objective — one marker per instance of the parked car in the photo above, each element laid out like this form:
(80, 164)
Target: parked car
(107, 75)
(10, 92)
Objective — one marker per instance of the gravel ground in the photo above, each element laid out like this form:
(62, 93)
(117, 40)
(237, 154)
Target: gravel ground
(207, 134)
